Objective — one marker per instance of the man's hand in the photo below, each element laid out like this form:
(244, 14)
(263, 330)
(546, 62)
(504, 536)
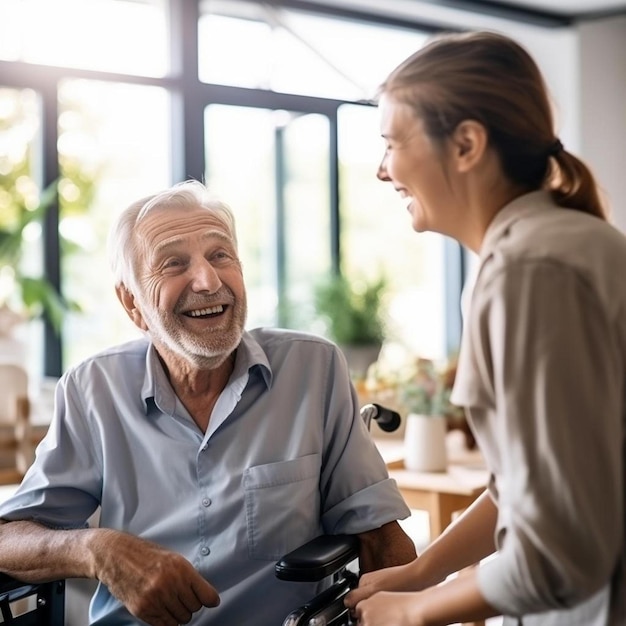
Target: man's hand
(156, 585)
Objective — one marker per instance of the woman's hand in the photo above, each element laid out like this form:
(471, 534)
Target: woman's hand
(399, 578)
(389, 609)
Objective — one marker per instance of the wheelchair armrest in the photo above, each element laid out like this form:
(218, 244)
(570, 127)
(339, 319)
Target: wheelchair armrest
(49, 605)
(318, 558)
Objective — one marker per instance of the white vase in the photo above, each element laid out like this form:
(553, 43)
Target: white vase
(425, 443)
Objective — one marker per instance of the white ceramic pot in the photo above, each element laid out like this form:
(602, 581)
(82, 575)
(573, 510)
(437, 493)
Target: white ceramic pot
(425, 443)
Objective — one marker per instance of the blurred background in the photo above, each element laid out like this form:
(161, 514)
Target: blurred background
(271, 104)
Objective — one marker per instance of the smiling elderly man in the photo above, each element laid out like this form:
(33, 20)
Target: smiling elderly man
(210, 450)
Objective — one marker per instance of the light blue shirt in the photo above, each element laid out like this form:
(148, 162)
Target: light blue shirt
(286, 457)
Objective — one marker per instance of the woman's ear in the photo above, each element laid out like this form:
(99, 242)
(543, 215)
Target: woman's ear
(469, 142)
(127, 299)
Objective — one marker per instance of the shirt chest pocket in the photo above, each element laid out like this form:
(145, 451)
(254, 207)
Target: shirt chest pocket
(282, 503)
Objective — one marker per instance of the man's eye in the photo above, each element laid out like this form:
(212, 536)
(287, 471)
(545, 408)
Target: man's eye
(172, 263)
(221, 256)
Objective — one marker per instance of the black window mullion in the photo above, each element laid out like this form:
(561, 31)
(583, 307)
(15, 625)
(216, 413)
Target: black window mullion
(53, 355)
(280, 230)
(333, 190)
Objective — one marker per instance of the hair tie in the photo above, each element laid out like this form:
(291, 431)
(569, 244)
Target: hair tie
(555, 148)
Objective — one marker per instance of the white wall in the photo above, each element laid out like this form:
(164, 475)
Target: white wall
(602, 95)
(585, 69)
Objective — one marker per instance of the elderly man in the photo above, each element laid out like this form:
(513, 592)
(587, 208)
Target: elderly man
(210, 451)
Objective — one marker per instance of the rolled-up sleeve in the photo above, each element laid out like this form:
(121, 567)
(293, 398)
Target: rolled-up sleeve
(62, 486)
(357, 493)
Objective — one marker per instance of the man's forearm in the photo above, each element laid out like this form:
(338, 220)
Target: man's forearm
(386, 546)
(34, 553)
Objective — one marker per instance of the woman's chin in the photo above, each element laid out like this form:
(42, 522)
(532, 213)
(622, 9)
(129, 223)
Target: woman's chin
(418, 222)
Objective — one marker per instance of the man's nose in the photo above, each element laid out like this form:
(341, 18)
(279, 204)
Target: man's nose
(205, 277)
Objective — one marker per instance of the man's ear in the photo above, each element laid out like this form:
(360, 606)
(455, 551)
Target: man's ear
(469, 143)
(127, 299)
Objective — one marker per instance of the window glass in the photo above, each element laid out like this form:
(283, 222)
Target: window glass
(377, 238)
(296, 52)
(119, 36)
(307, 214)
(271, 166)
(113, 149)
(273, 172)
(20, 126)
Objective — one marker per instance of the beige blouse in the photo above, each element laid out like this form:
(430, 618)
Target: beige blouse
(542, 374)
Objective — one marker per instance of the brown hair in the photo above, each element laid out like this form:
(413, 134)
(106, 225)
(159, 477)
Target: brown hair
(489, 78)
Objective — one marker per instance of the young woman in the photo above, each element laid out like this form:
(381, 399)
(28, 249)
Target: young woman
(471, 145)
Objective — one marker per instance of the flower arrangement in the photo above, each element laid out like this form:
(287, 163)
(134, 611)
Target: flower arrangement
(427, 390)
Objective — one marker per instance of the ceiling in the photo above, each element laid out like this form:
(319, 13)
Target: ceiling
(569, 8)
(548, 13)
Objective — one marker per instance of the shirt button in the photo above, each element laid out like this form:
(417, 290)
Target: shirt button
(204, 551)
(206, 502)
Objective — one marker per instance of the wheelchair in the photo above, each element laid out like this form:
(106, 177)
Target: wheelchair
(327, 556)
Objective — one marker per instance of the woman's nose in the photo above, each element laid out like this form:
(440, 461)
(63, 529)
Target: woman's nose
(381, 174)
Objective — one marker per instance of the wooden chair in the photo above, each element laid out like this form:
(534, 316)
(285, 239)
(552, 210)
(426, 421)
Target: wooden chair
(16, 446)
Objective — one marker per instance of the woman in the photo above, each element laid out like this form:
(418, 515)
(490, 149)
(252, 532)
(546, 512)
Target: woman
(471, 145)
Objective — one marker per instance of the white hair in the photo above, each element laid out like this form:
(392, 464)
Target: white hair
(190, 194)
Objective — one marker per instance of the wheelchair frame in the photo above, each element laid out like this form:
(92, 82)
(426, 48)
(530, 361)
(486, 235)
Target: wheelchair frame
(29, 604)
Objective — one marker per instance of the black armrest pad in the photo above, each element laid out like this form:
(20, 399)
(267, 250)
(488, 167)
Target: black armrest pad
(318, 558)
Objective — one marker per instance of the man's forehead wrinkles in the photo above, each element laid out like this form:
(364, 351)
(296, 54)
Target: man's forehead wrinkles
(182, 240)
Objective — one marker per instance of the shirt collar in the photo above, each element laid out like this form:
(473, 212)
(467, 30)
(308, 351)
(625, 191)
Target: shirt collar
(522, 206)
(156, 386)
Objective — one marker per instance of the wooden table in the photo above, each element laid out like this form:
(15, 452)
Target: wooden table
(441, 494)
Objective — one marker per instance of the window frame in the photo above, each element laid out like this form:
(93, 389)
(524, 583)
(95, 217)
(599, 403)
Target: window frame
(190, 97)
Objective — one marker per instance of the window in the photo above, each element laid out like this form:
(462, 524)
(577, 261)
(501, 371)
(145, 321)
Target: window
(377, 239)
(255, 44)
(110, 35)
(113, 149)
(281, 128)
(274, 172)
(20, 127)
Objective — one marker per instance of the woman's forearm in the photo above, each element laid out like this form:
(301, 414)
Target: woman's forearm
(465, 542)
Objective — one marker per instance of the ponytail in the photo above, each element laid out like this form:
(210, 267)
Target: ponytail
(573, 186)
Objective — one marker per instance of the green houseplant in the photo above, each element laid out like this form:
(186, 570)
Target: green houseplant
(27, 296)
(353, 314)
